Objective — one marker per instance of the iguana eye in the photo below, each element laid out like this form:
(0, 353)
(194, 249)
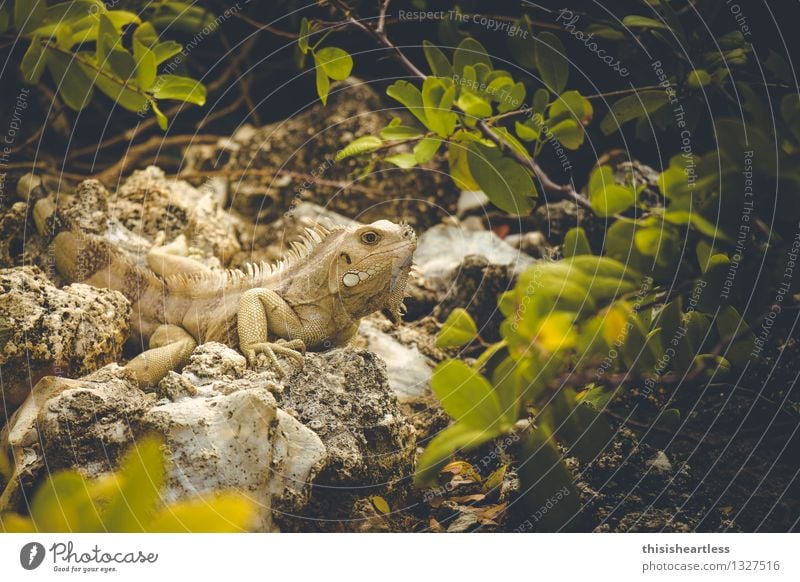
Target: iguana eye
(370, 237)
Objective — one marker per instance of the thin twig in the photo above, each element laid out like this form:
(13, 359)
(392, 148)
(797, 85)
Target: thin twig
(382, 15)
(267, 27)
(239, 173)
(154, 143)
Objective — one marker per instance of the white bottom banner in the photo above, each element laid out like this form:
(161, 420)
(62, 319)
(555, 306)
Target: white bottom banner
(356, 557)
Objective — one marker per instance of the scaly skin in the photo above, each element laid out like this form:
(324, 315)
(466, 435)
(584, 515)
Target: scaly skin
(313, 299)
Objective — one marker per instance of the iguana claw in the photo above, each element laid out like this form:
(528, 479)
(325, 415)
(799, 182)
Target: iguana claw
(294, 349)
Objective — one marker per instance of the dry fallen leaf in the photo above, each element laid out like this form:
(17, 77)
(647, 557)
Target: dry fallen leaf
(468, 498)
(462, 469)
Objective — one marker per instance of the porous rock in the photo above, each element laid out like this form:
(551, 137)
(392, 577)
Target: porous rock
(239, 439)
(45, 330)
(345, 397)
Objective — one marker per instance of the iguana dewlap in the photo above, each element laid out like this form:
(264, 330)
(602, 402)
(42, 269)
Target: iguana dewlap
(312, 299)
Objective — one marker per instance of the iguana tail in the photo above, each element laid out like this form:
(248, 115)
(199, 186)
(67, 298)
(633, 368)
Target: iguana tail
(84, 258)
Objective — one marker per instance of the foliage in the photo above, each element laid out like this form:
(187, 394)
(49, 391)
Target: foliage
(128, 500)
(660, 304)
(83, 45)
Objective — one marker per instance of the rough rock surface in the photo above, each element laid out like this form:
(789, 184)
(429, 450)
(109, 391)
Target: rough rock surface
(443, 248)
(161, 208)
(239, 439)
(338, 427)
(344, 396)
(70, 331)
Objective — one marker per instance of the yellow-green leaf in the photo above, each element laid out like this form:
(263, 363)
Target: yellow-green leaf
(458, 329)
(217, 512)
(380, 504)
(180, 89)
(361, 145)
(466, 395)
(612, 199)
(336, 62)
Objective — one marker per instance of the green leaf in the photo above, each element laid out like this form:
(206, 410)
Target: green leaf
(444, 444)
(466, 395)
(122, 18)
(29, 14)
(576, 242)
(778, 66)
(410, 96)
(548, 493)
(116, 90)
(397, 131)
(698, 78)
(305, 31)
(323, 85)
(404, 160)
(74, 86)
(569, 134)
(540, 100)
(551, 61)
(359, 146)
(601, 177)
(64, 11)
(612, 199)
(122, 65)
(437, 61)
(458, 330)
(526, 132)
(504, 181)
(166, 50)
(520, 46)
(107, 39)
(473, 105)
(734, 331)
(643, 22)
(146, 34)
(336, 62)
(216, 512)
(180, 89)
(470, 52)
(145, 65)
(160, 117)
(571, 105)
(426, 149)
(437, 99)
(512, 141)
(141, 476)
(697, 221)
(63, 504)
(511, 99)
(508, 383)
(632, 107)
(33, 62)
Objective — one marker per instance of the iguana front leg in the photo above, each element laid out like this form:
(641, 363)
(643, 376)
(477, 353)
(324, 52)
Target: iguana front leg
(256, 307)
(170, 348)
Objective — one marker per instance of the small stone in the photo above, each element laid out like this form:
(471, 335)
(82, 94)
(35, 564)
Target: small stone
(660, 462)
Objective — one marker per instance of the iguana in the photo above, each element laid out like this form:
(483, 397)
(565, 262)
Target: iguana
(313, 298)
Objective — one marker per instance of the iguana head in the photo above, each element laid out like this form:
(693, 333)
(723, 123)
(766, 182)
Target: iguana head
(372, 266)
